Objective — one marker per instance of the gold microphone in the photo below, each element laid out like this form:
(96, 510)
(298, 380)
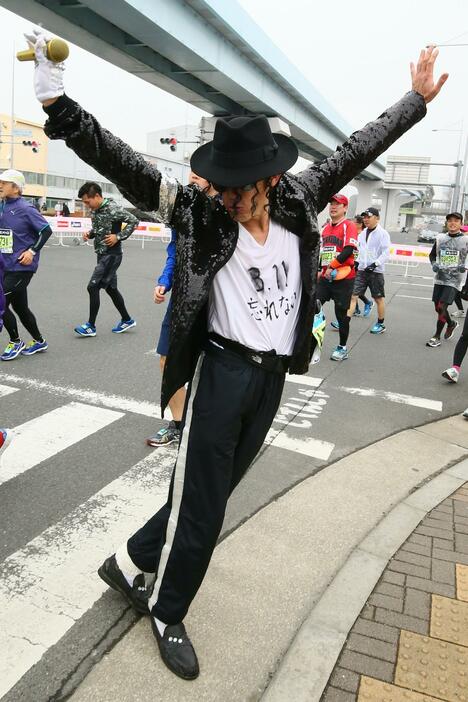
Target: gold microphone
(57, 51)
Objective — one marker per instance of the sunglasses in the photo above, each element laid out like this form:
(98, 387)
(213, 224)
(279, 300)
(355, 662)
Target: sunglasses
(243, 188)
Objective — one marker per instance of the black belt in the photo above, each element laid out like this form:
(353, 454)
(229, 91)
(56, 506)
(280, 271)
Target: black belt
(268, 360)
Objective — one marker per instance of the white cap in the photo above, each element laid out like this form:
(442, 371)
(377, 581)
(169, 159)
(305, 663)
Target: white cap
(12, 176)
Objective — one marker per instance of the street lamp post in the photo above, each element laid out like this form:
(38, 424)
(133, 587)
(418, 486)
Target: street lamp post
(459, 187)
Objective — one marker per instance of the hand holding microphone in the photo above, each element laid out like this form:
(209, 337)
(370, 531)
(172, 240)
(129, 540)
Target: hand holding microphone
(48, 74)
(56, 50)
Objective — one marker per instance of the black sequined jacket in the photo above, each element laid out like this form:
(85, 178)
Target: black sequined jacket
(207, 236)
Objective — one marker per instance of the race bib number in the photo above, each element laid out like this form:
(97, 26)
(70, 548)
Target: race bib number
(6, 241)
(327, 255)
(449, 258)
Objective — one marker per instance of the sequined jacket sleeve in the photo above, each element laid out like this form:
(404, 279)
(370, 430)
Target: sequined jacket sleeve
(139, 181)
(361, 149)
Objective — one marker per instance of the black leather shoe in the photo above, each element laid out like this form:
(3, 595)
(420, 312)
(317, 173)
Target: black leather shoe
(137, 596)
(177, 651)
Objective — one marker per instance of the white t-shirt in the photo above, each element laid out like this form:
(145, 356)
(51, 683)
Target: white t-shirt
(255, 297)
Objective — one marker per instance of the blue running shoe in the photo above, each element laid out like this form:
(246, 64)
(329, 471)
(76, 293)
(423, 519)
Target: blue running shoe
(378, 328)
(335, 326)
(34, 347)
(12, 350)
(367, 308)
(122, 326)
(339, 354)
(86, 329)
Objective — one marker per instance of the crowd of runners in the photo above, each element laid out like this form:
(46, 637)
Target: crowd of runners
(246, 265)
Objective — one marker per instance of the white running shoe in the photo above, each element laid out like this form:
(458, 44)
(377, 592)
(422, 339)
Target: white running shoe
(451, 374)
(458, 313)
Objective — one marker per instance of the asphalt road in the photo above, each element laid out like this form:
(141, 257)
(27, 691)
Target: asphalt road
(84, 408)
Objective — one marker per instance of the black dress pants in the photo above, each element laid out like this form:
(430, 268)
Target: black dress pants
(229, 411)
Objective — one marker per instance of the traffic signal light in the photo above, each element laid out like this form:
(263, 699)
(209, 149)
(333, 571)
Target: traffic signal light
(33, 144)
(169, 140)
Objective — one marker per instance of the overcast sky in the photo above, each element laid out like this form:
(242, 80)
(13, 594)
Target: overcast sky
(355, 54)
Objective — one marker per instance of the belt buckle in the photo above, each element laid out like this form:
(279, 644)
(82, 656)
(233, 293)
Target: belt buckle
(256, 358)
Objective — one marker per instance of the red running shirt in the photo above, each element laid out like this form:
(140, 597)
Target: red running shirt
(334, 239)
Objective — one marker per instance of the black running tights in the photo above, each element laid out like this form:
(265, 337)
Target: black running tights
(343, 321)
(462, 346)
(19, 301)
(443, 317)
(95, 301)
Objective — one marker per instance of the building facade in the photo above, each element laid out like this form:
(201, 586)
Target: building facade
(54, 173)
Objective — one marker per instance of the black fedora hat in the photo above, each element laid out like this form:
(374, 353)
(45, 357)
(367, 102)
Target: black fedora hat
(243, 151)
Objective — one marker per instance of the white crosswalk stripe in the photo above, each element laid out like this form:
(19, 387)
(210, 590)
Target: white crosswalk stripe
(50, 583)
(45, 436)
(7, 390)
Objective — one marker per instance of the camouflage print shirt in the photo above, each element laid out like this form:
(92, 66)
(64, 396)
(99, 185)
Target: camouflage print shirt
(108, 219)
(450, 253)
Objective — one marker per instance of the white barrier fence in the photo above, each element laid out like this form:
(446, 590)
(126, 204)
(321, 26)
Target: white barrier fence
(408, 256)
(73, 228)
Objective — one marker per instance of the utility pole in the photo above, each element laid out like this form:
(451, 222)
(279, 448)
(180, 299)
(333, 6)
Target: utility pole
(464, 179)
(12, 148)
(456, 188)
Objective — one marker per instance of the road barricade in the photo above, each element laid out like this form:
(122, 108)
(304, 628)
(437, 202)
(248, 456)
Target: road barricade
(73, 228)
(408, 256)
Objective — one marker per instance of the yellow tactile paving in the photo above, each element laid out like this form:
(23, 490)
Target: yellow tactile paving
(449, 620)
(462, 582)
(432, 667)
(371, 690)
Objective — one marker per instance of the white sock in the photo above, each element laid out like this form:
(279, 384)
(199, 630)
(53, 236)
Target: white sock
(161, 626)
(126, 565)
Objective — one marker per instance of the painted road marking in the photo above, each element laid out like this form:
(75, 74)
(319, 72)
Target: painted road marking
(44, 436)
(417, 285)
(117, 402)
(304, 380)
(396, 397)
(314, 448)
(415, 297)
(51, 582)
(6, 390)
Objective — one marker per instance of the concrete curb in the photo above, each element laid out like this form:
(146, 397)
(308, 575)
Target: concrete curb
(304, 671)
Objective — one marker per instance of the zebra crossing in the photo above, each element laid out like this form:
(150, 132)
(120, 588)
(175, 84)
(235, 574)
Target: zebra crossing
(50, 582)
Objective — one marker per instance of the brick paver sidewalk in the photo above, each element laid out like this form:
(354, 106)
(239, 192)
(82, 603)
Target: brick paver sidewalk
(410, 642)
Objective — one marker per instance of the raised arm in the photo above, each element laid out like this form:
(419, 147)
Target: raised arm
(365, 146)
(137, 179)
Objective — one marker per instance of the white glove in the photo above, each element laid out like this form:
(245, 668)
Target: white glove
(48, 76)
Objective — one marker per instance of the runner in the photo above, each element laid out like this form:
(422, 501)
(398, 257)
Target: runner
(339, 241)
(107, 232)
(453, 373)
(368, 304)
(171, 432)
(24, 231)
(373, 252)
(448, 259)
(243, 309)
(6, 435)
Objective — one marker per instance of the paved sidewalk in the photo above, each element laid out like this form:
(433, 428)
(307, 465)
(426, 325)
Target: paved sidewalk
(285, 589)
(412, 634)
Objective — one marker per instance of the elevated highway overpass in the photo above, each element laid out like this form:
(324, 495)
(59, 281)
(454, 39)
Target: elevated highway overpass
(209, 53)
